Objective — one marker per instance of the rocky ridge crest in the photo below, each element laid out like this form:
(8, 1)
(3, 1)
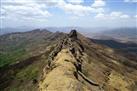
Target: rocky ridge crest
(74, 51)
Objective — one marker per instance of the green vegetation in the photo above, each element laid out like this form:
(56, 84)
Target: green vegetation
(14, 89)
(29, 73)
(11, 57)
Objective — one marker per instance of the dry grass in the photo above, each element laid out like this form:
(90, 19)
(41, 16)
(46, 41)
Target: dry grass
(117, 81)
(62, 77)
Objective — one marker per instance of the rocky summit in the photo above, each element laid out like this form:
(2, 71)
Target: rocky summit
(66, 62)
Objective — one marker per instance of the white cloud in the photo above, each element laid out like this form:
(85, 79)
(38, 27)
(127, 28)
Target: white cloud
(75, 1)
(115, 15)
(49, 3)
(135, 16)
(124, 16)
(74, 7)
(134, 1)
(78, 10)
(39, 8)
(112, 15)
(98, 3)
(100, 16)
(22, 9)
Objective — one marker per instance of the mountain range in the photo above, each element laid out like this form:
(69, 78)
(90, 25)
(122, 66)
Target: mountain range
(119, 34)
(40, 60)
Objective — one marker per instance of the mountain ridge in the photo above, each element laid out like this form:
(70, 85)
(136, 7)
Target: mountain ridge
(72, 52)
(69, 62)
(79, 69)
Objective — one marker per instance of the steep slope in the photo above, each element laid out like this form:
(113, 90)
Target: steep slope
(65, 62)
(22, 58)
(77, 64)
(127, 47)
(129, 50)
(19, 46)
(65, 67)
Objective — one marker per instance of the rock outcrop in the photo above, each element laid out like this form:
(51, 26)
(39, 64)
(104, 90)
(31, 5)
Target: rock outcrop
(65, 64)
(73, 34)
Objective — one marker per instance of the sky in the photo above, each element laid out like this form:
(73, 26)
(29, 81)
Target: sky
(64, 13)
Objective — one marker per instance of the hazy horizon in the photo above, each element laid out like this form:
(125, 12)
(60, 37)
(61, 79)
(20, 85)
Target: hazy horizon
(61, 29)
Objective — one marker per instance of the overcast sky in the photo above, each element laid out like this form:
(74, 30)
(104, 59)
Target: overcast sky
(83, 13)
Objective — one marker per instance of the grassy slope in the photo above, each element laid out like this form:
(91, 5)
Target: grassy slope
(26, 77)
(16, 47)
(14, 51)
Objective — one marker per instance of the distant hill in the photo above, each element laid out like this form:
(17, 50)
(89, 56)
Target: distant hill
(83, 30)
(120, 34)
(12, 30)
(126, 49)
